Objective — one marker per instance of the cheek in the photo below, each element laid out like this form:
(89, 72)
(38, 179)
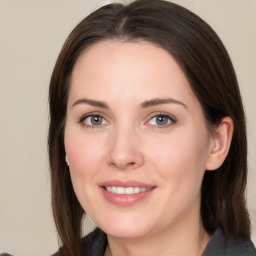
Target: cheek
(181, 158)
(84, 152)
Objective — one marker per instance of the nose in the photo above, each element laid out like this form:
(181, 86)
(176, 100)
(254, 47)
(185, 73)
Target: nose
(125, 150)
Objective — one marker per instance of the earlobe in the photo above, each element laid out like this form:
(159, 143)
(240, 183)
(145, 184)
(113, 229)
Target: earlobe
(221, 137)
(66, 159)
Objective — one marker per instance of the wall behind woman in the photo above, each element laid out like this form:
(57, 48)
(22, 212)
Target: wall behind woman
(31, 35)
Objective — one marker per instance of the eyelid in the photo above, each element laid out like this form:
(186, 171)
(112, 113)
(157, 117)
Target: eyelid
(83, 117)
(172, 118)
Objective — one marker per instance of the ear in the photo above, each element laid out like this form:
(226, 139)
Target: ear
(221, 140)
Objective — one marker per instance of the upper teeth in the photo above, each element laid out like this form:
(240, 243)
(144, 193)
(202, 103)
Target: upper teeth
(126, 191)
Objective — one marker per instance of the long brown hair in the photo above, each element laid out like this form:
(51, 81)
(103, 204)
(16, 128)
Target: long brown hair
(206, 63)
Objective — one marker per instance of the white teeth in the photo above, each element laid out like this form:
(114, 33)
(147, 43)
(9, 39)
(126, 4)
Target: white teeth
(136, 190)
(120, 190)
(129, 191)
(126, 191)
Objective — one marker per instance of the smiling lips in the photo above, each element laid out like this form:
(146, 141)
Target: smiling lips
(125, 193)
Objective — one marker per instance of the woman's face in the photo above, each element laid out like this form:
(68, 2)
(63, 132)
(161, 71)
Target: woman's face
(136, 140)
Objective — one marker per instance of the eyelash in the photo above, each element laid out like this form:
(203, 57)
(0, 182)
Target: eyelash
(171, 118)
(94, 114)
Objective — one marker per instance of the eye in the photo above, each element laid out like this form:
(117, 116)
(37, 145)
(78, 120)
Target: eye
(161, 120)
(93, 120)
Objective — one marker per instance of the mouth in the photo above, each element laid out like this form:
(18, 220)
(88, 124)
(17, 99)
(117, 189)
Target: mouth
(126, 190)
(126, 193)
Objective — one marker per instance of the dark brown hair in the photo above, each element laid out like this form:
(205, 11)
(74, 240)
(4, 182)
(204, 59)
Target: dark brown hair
(207, 66)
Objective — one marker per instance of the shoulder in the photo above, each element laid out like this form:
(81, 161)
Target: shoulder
(93, 244)
(220, 246)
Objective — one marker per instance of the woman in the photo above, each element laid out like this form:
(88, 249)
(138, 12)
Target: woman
(147, 136)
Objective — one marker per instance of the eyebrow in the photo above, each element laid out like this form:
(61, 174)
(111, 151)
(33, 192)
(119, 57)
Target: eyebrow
(94, 103)
(145, 104)
(159, 101)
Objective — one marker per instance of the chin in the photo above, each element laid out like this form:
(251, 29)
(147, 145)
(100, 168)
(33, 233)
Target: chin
(126, 232)
(125, 229)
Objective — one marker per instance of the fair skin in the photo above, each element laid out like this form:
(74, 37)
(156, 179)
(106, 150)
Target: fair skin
(132, 118)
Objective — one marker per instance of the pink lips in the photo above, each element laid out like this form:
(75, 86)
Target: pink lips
(125, 184)
(126, 199)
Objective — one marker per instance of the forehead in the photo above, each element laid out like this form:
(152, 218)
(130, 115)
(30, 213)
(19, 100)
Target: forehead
(142, 54)
(111, 69)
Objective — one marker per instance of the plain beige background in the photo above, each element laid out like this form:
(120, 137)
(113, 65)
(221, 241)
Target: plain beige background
(31, 35)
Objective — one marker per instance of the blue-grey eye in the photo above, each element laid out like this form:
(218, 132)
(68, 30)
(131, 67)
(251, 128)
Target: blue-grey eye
(94, 120)
(160, 120)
